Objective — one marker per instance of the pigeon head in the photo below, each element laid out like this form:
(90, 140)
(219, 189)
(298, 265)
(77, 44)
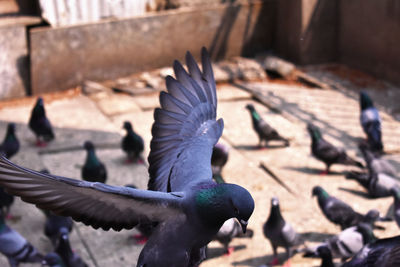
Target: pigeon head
(319, 191)
(10, 128)
(372, 216)
(313, 131)
(39, 101)
(366, 231)
(52, 259)
(365, 101)
(274, 202)
(38, 110)
(127, 126)
(88, 145)
(250, 107)
(325, 254)
(221, 202)
(275, 213)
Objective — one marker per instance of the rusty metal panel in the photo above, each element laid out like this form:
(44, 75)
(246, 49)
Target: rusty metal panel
(72, 12)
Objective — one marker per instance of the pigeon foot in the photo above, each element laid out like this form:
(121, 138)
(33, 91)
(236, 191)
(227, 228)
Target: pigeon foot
(41, 143)
(324, 173)
(140, 239)
(287, 263)
(275, 261)
(229, 251)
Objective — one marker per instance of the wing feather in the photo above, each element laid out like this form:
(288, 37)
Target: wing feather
(96, 204)
(185, 128)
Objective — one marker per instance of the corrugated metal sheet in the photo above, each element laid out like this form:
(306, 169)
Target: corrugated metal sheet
(71, 12)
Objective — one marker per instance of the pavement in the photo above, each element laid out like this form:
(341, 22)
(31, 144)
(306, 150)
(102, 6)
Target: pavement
(99, 117)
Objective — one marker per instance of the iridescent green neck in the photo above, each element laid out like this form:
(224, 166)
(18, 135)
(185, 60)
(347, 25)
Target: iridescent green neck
(207, 203)
(255, 115)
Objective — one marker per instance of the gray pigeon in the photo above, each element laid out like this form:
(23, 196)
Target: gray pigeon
(15, 247)
(347, 243)
(338, 212)
(326, 152)
(377, 184)
(264, 131)
(230, 230)
(280, 233)
(40, 124)
(10, 145)
(132, 143)
(189, 206)
(63, 248)
(55, 224)
(376, 164)
(381, 253)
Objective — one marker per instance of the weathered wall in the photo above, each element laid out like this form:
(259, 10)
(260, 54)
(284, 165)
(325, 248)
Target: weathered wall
(14, 70)
(306, 30)
(369, 36)
(64, 57)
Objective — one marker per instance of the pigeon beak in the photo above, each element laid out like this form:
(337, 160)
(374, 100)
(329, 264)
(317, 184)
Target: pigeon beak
(243, 223)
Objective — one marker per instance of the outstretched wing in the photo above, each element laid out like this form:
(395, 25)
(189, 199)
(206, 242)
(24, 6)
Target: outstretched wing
(96, 204)
(185, 129)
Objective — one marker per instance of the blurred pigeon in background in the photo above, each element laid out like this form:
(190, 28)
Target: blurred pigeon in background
(370, 122)
(10, 145)
(55, 224)
(69, 257)
(6, 200)
(15, 247)
(340, 213)
(396, 205)
(326, 152)
(345, 244)
(219, 158)
(132, 144)
(280, 233)
(264, 131)
(40, 124)
(52, 259)
(182, 197)
(93, 170)
(376, 164)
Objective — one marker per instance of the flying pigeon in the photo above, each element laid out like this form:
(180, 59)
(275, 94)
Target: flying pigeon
(63, 249)
(374, 163)
(93, 170)
(182, 197)
(396, 195)
(52, 259)
(40, 124)
(132, 144)
(15, 247)
(280, 233)
(370, 122)
(340, 213)
(345, 244)
(55, 224)
(377, 184)
(10, 145)
(219, 158)
(264, 131)
(326, 152)
(381, 253)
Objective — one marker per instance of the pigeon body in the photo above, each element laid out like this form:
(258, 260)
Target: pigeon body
(325, 254)
(229, 230)
(15, 247)
(93, 170)
(219, 158)
(371, 122)
(10, 145)
(264, 131)
(377, 184)
(340, 213)
(182, 197)
(55, 225)
(6, 201)
(326, 152)
(347, 243)
(381, 253)
(70, 258)
(52, 259)
(40, 124)
(279, 232)
(376, 164)
(132, 144)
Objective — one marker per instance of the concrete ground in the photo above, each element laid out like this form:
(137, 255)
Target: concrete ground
(99, 117)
